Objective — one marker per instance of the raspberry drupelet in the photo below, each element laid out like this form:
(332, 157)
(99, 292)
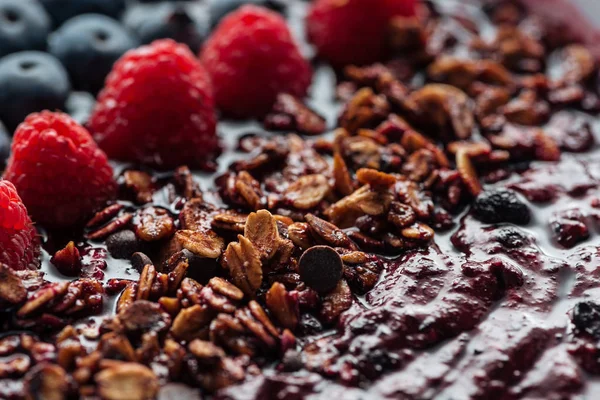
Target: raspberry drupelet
(19, 245)
(60, 173)
(354, 31)
(157, 108)
(251, 58)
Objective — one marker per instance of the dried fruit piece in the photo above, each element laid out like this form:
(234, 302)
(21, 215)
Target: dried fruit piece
(261, 230)
(321, 268)
(203, 243)
(67, 260)
(127, 381)
(495, 206)
(308, 191)
(154, 224)
(244, 265)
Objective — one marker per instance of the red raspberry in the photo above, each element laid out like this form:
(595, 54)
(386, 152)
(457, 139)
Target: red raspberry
(354, 31)
(60, 173)
(251, 58)
(157, 108)
(19, 245)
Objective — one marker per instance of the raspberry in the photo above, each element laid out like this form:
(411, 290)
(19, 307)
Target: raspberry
(354, 31)
(19, 245)
(251, 58)
(157, 108)
(60, 173)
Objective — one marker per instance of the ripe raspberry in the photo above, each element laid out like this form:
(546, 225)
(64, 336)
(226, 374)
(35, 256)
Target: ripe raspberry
(157, 108)
(60, 173)
(251, 58)
(353, 31)
(19, 245)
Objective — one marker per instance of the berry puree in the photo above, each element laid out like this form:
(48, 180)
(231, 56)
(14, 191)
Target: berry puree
(423, 228)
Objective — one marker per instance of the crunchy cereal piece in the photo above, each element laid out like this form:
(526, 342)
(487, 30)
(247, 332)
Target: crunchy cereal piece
(364, 110)
(154, 224)
(443, 107)
(290, 114)
(249, 189)
(283, 305)
(190, 322)
(206, 352)
(467, 172)
(308, 191)
(463, 73)
(261, 230)
(127, 381)
(202, 243)
(12, 289)
(47, 381)
(328, 232)
(341, 175)
(299, 234)
(362, 201)
(336, 302)
(367, 176)
(230, 221)
(225, 288)
(243, 262)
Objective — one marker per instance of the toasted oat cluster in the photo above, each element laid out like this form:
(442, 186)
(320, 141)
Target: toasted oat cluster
(439, 242)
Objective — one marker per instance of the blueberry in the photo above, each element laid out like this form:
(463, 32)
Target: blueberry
(80, 106)
(184, 22)
(122, 244)
(501, 205)
(4, 146)
(88, 46)
(586, 318)
(62, 10)
(219, 8)
(24, 25)
(31, 81)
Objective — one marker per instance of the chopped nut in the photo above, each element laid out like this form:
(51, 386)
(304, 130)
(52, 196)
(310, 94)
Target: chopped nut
(308, 191)
(418, 231)
(328, 232)
(206, 352)
(363, 201)
(203, 243)
(67, 260)
(367, 176)
(467, 172)
(290, 114)
(145, 282)
(249, 190)
(364, 110)
(244, 265)
(185, 181)
(144, 316)
(261, 230)
(578, 64)
(42, 297)
(341, 175)
(336, 302)
(230, 221)
(154, 224)
(127, 381)
(225, 288)
(140, 183)
(298, 233)
(401, 215)
(112, 227)
(105, 215)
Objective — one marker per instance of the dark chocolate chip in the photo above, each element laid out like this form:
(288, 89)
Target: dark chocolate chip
(140, 260)
(200, 269)
(292, 361)
(321, 268)
(122, 244)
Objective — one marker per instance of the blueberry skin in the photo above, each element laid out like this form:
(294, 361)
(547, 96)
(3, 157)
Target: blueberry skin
(62, 10)
(219, 8)
(4, 146)
(31, 81)
(80, 106)
(88, 46)
(24, 25)
(181, 21)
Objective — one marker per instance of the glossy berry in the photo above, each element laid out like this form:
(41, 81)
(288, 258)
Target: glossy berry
(353, 31)
(80, 106)
(19, 245)
(500, 205)
(184, 22)
(88, 46)
(251, 58)
(586, 318)
(61, 174)
(24, 25)
(31, 81)
(218, 9)
(62, 10)
(4, 146)
(157, 108)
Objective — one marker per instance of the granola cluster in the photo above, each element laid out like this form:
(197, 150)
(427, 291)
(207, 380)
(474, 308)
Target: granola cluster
(301, 227)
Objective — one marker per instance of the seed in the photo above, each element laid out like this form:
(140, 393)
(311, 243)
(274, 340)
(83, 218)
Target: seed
(321, 268)
(122, 244)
